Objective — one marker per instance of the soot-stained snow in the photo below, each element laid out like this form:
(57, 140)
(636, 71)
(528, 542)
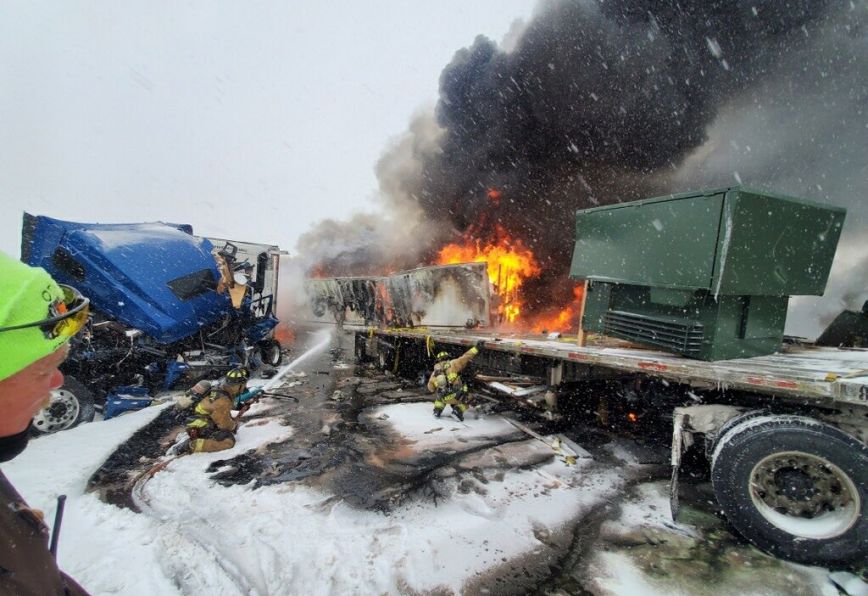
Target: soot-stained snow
(357, 488)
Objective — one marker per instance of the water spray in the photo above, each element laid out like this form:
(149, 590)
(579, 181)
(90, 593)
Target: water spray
(323, 338)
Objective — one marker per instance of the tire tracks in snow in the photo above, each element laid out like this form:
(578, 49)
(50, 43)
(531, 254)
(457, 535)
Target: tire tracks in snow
(209, 570)
(189, 553)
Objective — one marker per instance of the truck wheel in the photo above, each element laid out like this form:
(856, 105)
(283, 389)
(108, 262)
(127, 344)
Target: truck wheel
(270, 351)
(794, 487)
(70, 405)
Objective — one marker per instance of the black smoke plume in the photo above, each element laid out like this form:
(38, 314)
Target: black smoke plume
(604, 101)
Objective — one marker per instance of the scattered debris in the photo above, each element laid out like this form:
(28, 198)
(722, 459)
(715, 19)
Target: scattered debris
(567, 449)
(517, 391)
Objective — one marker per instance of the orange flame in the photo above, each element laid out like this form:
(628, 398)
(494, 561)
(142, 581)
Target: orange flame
(283, 333)
(318, 272)
(566, 319)
(509, 262)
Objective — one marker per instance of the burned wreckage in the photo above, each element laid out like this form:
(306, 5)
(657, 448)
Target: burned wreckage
(441, 296)
(166, 306)
(682, 319)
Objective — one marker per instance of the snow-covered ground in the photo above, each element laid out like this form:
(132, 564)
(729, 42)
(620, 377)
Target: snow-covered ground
(501, 499)
(645, 552)
(196, 536)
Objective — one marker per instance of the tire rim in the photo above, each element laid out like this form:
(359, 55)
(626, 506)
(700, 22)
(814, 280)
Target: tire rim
(272, 355)
(61, 412)
(804, 495)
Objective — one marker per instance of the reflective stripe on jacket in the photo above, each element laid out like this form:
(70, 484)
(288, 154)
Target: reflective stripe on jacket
(213, 413)
(445, 378)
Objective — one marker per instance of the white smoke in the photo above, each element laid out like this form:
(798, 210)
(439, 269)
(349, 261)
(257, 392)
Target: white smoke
(395, 236)
(803, 131)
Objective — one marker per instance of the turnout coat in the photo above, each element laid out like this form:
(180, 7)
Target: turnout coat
(26, 566)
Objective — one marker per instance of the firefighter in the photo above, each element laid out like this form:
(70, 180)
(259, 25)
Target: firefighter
(212, 427)
(446, 382)
(184, 407)
(38, 317)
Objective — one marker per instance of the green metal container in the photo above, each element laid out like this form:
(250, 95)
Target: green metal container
(705, 274)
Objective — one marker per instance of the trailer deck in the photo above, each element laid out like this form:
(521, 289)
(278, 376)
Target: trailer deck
(799, 371)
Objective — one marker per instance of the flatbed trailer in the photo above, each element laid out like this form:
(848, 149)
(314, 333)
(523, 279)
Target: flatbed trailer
(800, 372)
(785, 434)
(706, 276)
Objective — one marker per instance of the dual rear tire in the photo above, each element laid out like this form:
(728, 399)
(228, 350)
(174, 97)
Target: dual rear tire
(794, 487)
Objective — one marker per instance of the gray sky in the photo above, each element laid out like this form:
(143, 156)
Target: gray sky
(249, 120)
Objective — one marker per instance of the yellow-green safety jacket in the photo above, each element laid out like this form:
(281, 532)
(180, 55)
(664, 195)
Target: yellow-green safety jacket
(213, 412)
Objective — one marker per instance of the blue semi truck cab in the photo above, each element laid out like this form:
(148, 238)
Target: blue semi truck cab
(168, 307)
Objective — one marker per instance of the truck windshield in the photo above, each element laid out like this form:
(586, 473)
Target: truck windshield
(193, 284)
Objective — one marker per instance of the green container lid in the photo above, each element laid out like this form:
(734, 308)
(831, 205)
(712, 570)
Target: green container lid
(730, 241)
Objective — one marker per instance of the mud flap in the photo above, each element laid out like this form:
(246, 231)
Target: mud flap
(677, 428)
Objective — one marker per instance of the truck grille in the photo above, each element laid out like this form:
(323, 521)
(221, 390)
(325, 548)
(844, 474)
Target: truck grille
(682, 336)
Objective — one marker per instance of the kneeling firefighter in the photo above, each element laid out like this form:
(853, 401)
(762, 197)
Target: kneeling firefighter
(212, 427)
(446, 381)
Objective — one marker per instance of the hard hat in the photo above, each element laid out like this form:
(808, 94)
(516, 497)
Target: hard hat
(37, 315)
(443, 356)
(237, 375)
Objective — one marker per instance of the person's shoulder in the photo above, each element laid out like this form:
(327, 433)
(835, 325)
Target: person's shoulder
(217, 394)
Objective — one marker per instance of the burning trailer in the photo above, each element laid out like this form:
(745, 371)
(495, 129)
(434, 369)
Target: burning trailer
(436, 296)
(165, 306)
(686, 299)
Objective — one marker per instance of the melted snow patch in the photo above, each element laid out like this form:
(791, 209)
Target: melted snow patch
(416, 422)
(200, 537)
(61, 463)
(614, 573)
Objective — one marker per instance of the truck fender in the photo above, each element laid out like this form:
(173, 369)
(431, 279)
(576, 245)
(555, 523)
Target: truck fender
(706, 419)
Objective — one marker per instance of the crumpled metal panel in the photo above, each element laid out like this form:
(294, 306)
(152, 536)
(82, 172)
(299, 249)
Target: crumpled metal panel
(437, 296)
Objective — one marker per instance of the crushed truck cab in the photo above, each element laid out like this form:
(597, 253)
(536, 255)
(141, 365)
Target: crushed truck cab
(154, 277)
(165, 304)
